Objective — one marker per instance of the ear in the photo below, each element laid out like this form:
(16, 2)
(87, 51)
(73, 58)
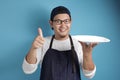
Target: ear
(51, 24)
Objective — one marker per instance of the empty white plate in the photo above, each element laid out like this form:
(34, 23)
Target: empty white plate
(91, 38)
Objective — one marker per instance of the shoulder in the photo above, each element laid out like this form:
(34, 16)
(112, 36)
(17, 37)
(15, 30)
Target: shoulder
(46, 44)
(77, 45)
(47, 38)
(75, 41)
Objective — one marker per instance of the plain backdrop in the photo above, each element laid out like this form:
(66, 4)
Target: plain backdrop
(20, 19)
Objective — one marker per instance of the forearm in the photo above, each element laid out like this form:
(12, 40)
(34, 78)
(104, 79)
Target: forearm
(88, 62)
(31, 56)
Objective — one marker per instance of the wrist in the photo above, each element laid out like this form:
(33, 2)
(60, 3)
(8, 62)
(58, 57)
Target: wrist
(31, 56)
(87, 54)
(31, 59)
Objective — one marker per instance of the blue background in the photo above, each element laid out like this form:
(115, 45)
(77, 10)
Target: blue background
(19, 20)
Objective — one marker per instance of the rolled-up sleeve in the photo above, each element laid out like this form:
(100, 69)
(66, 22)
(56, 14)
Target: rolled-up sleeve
(29, 68)
(89, 74)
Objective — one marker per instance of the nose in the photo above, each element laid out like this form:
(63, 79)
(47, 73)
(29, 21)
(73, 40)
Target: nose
(62, 23)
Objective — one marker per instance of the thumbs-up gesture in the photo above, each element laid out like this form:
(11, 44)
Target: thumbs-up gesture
(39, 40)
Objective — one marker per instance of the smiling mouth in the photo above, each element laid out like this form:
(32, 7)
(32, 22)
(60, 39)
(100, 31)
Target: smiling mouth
(62, 30)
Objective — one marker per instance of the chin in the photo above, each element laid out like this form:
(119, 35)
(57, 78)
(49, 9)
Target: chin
(64, 35)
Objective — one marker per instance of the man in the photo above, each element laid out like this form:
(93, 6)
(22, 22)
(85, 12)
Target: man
(61, 56)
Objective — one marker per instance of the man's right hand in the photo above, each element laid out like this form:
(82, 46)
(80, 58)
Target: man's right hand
(37, 43)
(39, 40)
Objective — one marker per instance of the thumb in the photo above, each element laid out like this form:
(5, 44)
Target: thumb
(40, 32)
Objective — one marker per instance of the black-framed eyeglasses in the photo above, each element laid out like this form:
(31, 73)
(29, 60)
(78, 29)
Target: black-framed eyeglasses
(58, 21)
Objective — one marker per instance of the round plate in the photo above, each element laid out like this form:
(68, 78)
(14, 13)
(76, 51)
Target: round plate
(91, 38)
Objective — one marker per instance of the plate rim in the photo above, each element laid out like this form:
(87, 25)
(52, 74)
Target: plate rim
(75, 36)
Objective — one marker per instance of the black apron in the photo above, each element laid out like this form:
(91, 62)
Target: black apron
(60, 65)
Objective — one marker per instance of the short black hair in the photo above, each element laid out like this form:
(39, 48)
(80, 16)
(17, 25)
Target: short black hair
(59, 10)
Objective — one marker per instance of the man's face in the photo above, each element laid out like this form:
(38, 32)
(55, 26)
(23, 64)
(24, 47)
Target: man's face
(61, 25)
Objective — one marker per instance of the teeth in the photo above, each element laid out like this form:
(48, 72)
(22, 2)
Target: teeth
(62, 30)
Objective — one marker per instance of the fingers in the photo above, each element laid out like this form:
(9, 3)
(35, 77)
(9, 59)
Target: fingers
(40, 32)
(88, 47)
(39, 40)
(84, 44)
(38, 43)
(94, 44)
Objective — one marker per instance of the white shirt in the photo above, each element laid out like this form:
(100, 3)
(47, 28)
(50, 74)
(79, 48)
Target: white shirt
(60, 45)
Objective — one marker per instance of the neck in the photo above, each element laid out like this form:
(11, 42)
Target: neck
(61, 37)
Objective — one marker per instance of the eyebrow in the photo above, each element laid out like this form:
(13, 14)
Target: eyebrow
(61, 19)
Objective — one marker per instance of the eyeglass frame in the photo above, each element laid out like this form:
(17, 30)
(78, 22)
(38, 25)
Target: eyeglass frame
(69, 20)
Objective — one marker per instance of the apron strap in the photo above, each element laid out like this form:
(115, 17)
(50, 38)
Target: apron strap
(72, 46)
(51, 42)
(73, 56)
